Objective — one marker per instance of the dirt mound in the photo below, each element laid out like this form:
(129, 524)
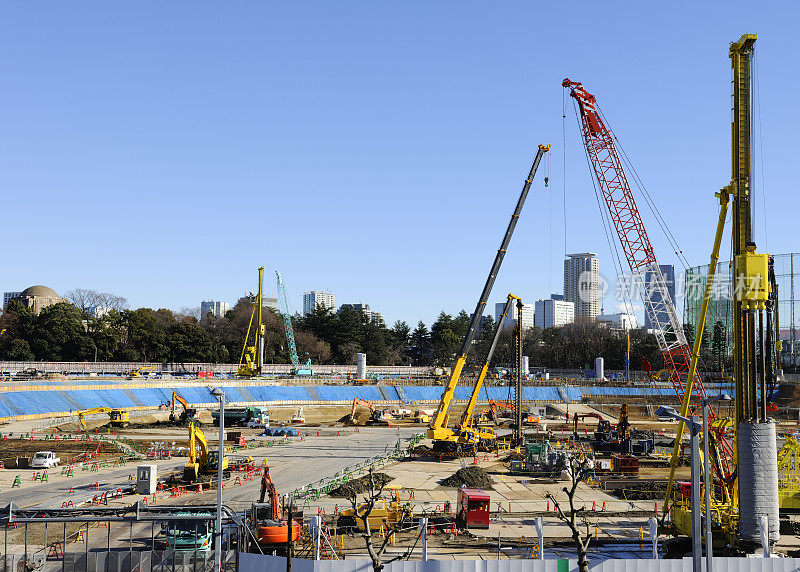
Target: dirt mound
(360, 418)
(515, 456)
(360, 485)
(470, 476)
(641, 490)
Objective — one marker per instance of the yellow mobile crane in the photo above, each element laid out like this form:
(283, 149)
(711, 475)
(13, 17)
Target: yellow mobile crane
(251, 361)
(206, 463)
(444, 438)
(119, 418)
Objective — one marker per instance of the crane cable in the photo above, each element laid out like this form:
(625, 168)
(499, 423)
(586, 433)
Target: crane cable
(660, 220)
(616, 259)
(564, 163)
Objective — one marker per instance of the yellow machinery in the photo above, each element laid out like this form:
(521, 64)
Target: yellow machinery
(444, 438)
(119, 418)
(206, 463)
(789, 472)
(734, 515)
(251, 361)
(384, 513)
(143, 371)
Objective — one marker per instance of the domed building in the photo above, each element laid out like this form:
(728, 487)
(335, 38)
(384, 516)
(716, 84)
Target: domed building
(39, 297)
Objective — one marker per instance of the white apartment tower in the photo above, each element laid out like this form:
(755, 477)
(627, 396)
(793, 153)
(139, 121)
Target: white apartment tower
(553, 313)
(511, 319)
(315, 299)
(213, 307)
(582, 284)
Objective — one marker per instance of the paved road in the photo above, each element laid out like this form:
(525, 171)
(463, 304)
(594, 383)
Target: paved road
(292, 465)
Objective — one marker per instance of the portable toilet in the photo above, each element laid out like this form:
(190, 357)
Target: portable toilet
(146, 479)
(472, 510)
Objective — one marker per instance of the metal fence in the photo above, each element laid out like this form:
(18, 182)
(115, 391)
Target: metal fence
(259, 563)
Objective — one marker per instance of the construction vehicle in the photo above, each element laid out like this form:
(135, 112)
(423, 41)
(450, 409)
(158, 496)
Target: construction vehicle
(144, 371)
(377, 416)
(241, 415)
(465, 438)
(603, 424)
(445, 438)
(385, 513)
(297, 369)
(251, 362)
(789, 471)
(190, 535)
(119, 418)
(269, 528)
(612, 182)
(188, 413)
(206, 463)
(298, 418)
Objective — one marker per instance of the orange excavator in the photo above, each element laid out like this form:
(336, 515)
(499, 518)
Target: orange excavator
(377, 418)
(493, 412)
(270, 529)
(360, 403)
(188, 413)
(578, 416)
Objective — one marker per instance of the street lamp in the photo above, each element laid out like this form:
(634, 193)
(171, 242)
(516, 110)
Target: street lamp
(697, 534)
(707, 401)
(220, 395)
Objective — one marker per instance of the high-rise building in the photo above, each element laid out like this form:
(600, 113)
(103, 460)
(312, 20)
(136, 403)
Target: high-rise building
(8, 296)
(317, 299)
(622, 320)
(511, 319)
(553, 313)
(668, 272)
(213, 307)
(582, 284)
(369, 314)
(271, 303)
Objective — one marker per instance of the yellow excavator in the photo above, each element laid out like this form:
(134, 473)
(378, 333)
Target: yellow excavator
(119, 418)
(144, 371)
(206, 463)
(464, 437)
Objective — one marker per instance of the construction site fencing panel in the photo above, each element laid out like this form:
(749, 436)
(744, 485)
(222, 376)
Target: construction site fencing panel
(265, 563)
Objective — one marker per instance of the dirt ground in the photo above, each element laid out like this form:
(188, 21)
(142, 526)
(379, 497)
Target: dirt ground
(67, 450)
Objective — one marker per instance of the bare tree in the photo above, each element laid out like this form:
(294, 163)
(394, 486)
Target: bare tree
(92, 303)
(363, 513)
(579, 471)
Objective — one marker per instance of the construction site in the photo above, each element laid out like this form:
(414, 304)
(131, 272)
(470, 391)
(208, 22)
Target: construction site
(262, 467)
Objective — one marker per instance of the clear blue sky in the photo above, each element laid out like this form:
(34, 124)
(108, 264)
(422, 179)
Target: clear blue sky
(163, 151)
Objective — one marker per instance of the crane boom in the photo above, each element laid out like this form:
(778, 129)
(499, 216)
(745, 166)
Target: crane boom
(438, 427)
(609, 173)
(466, 417)
(287, 320)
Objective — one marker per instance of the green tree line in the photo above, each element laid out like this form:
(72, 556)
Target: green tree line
(66, 332)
